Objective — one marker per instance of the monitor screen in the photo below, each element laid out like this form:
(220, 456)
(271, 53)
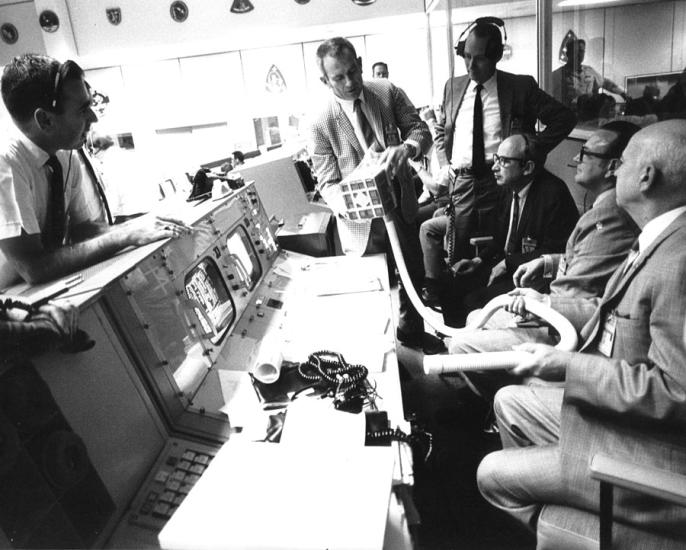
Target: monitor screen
(243, 254)
(211, 299)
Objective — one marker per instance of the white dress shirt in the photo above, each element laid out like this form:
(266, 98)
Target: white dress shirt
(463, 134)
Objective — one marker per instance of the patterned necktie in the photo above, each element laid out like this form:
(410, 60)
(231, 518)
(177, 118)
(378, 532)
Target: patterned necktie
(478, 149)
(511, 245)
(53, 232)
(631, 258)
(97, 183)
(369, 137)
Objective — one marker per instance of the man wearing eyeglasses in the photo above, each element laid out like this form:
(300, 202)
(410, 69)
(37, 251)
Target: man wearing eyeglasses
(598, 244)
(49, 226)
(535, 215)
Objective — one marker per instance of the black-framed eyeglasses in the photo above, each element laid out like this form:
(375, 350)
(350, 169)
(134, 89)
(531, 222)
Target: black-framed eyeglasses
(505, 161)
(63, 72)
(583, 151)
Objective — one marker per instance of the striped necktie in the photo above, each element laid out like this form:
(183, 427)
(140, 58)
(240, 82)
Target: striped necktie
(370, 140)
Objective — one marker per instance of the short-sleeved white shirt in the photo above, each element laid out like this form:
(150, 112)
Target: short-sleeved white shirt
(24, 194)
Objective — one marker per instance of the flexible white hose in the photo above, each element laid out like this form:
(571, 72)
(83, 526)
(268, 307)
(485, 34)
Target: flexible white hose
(476, 361)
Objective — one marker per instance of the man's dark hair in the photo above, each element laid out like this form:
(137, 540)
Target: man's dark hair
(494, 46)
(28, 83)
(379, 63)
(335, 47)
(238, 155)
(624, 130)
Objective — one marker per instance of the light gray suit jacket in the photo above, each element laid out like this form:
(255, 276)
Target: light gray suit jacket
(597, 246)
(336, 152)
(633, 404)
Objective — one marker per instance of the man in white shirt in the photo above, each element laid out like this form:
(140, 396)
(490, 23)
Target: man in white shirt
(508, 104)
(48, 225)
(362, 119)
(624, 391)
(598, 244)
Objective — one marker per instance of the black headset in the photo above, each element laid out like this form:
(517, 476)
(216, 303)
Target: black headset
(493, 51)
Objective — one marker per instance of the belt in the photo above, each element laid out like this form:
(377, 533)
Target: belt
(468, 171)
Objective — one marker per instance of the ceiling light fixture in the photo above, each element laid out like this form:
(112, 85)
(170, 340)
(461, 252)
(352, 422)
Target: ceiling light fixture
(364, 2)
(241, 6)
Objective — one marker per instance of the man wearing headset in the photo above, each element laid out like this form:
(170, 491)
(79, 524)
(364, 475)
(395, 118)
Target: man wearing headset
(49, 226)
(505, 104)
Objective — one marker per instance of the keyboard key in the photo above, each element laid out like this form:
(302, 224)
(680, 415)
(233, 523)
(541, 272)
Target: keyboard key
(173, 485)
(188, 455)
(161, 510)
(167, 496)
(161, 476)
(197, 469)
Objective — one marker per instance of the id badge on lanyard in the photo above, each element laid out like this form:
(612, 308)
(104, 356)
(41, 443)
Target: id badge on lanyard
(607, 335)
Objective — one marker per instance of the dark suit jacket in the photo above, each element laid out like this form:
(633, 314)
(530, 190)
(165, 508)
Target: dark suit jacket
(633, 404)
(548, 217)
(522, 103)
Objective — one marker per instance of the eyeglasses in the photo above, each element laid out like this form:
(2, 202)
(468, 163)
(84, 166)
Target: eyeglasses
(63, 71)
(505, 161)
(583, 151)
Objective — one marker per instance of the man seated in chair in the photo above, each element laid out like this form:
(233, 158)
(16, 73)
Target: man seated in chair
(535, 215)
(598, 244)
(625, 391)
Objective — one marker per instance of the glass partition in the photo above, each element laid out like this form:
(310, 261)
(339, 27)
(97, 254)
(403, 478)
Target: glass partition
(619, 60)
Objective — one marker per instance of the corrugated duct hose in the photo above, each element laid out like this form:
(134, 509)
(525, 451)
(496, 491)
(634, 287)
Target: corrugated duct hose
(438, 364)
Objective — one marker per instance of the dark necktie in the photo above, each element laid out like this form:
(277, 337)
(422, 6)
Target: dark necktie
(367, 131)
(478, 150)
(511, 245)
(97, 183)
(53, 232)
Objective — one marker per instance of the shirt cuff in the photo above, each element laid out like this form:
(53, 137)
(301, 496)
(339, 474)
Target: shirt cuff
(548, 266)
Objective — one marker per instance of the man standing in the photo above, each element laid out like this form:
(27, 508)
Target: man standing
(480, 109)
(48, 227)
(598, 244)
(363, 119)
(535, 215)
(380, 70)
(626, 392)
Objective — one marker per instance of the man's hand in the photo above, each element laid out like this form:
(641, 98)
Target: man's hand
(394, 158)
(62, 319)
(529, 273)
(545, 362)
(498, 270)
(516, 306)
(149, 228)
(465, 266)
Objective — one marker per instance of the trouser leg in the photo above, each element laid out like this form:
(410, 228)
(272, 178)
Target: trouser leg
(431, 235)
(521, 481)
(528, 415)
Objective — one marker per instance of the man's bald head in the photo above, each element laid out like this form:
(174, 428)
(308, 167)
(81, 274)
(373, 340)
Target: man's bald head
(652, 178)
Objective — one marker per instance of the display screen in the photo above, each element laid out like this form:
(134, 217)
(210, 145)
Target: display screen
(207, 289)
(243, 254)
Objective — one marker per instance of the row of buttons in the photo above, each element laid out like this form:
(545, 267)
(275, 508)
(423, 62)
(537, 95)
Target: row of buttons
(162, 503)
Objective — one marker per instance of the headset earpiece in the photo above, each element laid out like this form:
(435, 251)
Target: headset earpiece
(496, 50)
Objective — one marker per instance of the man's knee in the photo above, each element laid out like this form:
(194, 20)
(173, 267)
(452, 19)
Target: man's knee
(486, 475)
